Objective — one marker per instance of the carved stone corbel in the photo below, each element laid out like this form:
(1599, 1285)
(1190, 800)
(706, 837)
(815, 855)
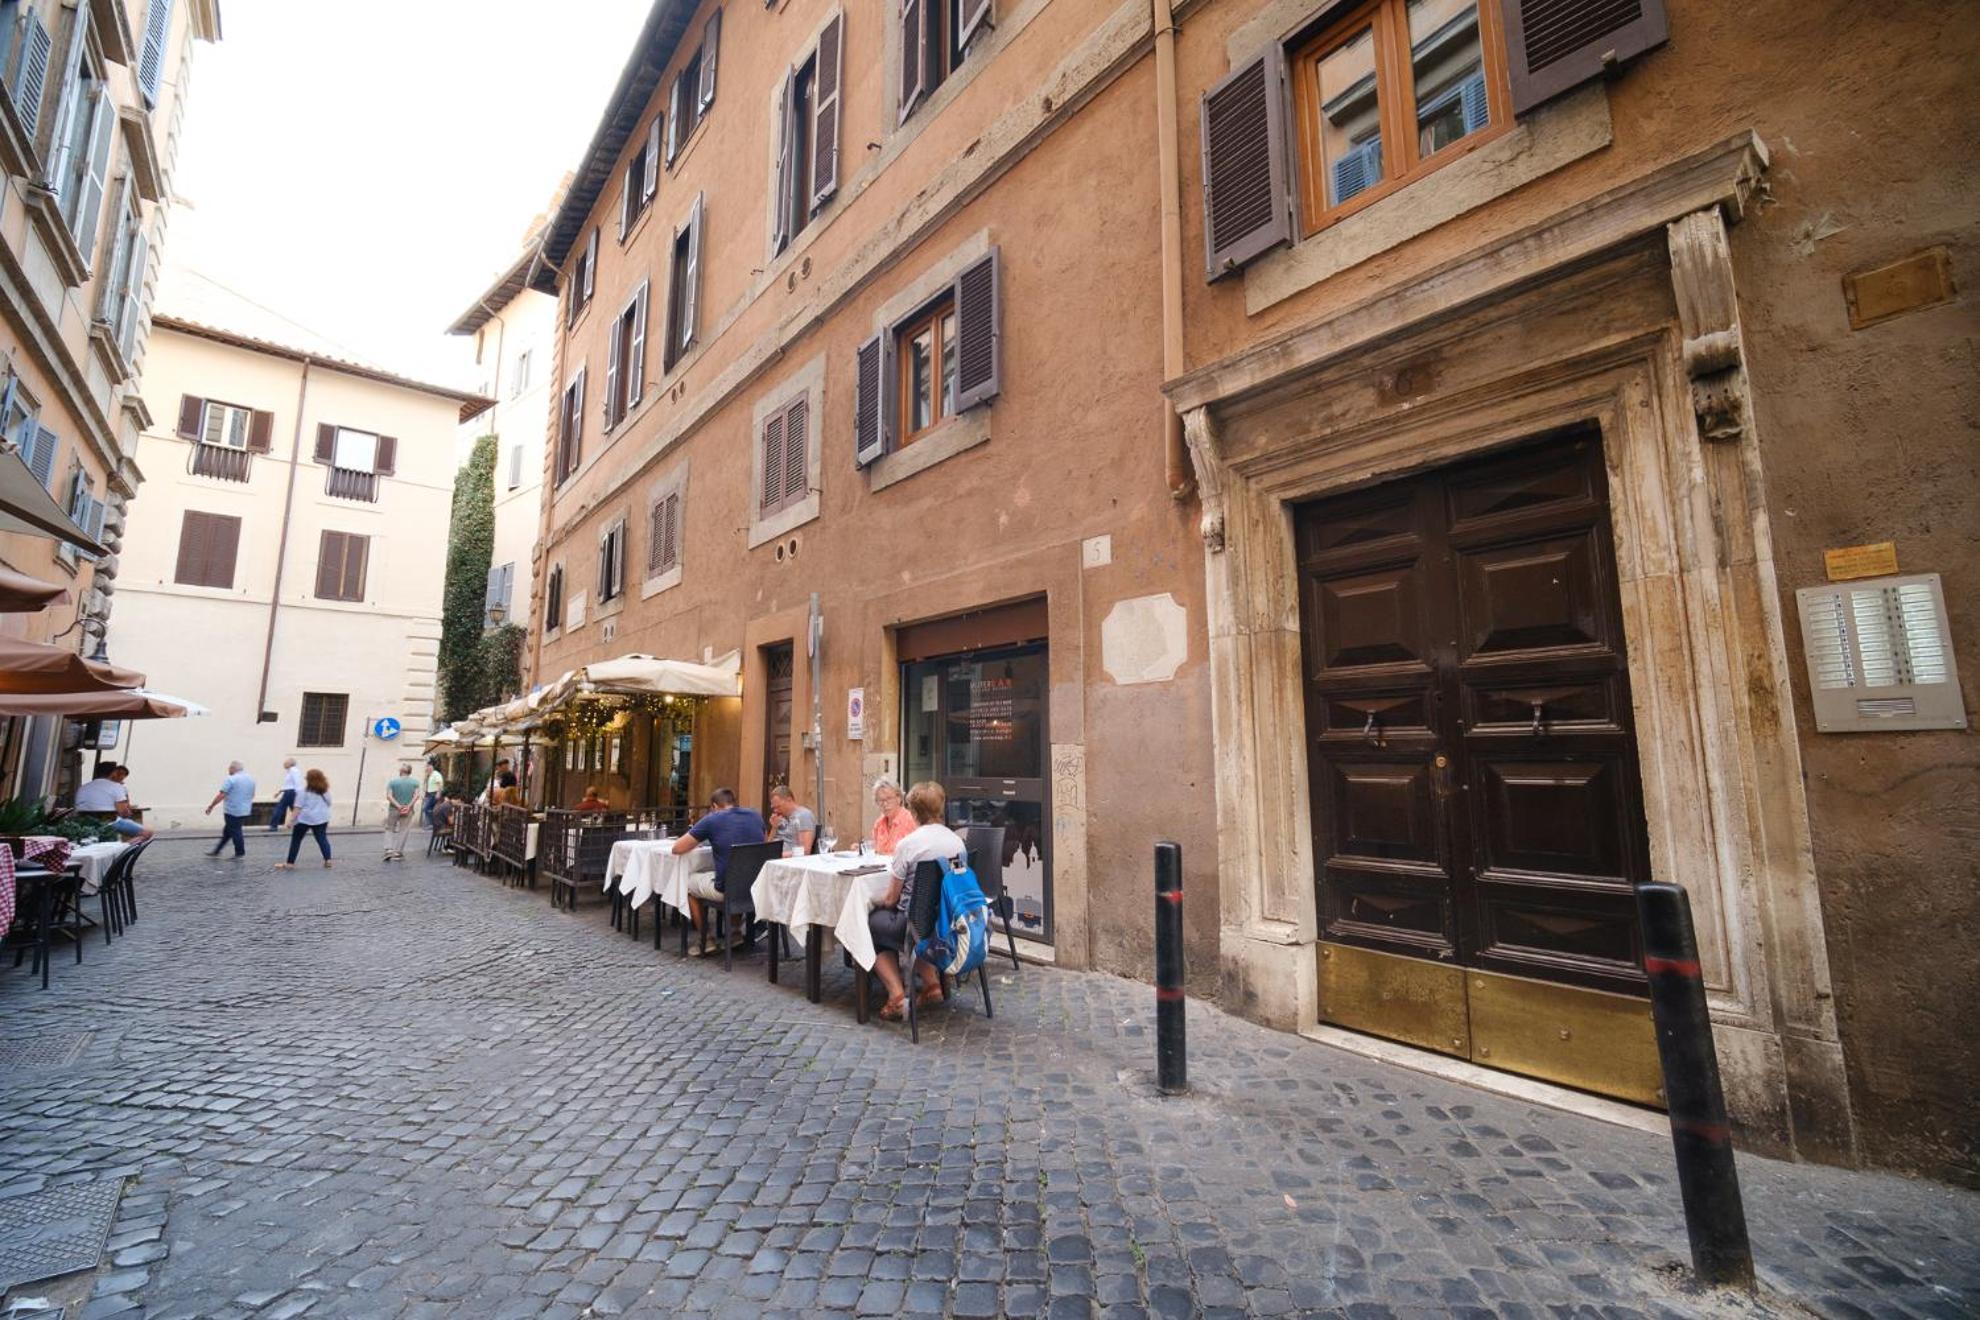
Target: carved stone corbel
(1708, 315)
(1200, 436)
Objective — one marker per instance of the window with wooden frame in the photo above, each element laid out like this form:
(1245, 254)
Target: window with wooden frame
(642, 179)
(612, 562)
(584, 279)
(935, 37)
(209, 544)
(663, 534)
(570, 429)
(808, 141)
(785, 457)
(324, 717)
(944, 359)
(1391, 92)
(553, 600)
(350, 450)
(226, 425)
(1383, 93)
(693, 92)
(625, 367)
(341, 561)
(684, 288)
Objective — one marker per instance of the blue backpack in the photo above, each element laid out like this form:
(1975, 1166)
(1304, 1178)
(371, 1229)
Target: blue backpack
(962, 924)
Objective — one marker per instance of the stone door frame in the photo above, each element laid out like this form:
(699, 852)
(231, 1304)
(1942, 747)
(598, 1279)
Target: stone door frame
(1620, 311)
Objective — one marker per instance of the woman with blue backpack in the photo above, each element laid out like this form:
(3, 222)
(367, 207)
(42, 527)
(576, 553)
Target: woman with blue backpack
(929, 841)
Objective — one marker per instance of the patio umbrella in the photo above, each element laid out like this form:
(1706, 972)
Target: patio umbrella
(29, 668)
(21, 594)
(123, 704)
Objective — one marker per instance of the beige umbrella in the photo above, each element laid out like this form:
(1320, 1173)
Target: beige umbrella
(29, 668)
(123, 704)
(21, 594)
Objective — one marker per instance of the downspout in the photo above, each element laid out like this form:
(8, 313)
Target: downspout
(282, 542)
(1181, 476)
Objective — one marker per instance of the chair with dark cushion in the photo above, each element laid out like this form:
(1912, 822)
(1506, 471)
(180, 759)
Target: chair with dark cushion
(986, 850)
(746, 861)
(924, 912)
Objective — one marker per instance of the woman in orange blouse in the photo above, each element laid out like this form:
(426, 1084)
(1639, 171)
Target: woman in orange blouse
(895, 822)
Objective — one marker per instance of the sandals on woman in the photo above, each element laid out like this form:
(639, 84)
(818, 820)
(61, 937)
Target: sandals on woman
(895, 1010)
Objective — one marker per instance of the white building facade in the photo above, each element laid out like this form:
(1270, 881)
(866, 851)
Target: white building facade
(285, 567)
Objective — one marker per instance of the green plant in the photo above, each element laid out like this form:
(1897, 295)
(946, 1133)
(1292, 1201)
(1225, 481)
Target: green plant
(77, 830)
(21, 816)
(470, 548)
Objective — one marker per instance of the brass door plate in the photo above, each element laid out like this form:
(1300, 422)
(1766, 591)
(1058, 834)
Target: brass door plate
(1412, 1000)
(1923, 279)
(1588, 1039)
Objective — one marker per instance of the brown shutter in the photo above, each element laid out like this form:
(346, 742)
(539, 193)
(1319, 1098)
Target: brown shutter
(191, 567)
(261, 431)
(979, 347)
(1554, 45)
(825, 117)
(388, 455)
(673, 530)
(975, 17)
(223, 546)
(656, 536)
(192, 416)
(773, 463)
(711, 39)
(357, 557)
(326, 442)
(797, 479)
(914, 55)
(869, 412)
(1247, 208)
(329, 565)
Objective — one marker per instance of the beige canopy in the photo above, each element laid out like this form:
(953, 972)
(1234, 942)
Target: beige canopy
(29, 668)
(21, 594)
(636, 674)
(121, 703)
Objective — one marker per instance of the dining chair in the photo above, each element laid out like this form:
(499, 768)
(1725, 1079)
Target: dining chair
(924, 911)
(746, 861)
(986, 850)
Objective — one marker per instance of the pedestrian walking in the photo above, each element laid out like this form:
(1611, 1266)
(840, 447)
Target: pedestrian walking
(285, 801)
(236, 802)
(401, 796)
(436, 787)
(312, 817)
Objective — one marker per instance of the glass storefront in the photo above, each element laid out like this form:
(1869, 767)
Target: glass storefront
(977, 724)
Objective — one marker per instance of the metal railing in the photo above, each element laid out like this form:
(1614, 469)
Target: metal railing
(344, 484)
(221, 461)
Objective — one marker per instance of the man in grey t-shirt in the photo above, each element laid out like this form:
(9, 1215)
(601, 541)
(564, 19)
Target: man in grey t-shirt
(791, 821)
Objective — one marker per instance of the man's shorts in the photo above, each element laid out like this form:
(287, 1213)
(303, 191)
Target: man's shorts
(126, 827)
(702, 885)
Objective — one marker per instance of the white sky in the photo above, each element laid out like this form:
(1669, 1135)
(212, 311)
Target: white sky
(367, 168)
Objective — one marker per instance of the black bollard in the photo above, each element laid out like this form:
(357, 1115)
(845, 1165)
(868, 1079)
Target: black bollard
(1714, 1215)
(1171, 1050)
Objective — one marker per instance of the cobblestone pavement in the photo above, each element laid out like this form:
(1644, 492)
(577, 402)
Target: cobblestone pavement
(412, 1091)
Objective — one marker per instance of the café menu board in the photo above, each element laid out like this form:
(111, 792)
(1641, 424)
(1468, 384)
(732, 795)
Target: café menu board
(991, 708)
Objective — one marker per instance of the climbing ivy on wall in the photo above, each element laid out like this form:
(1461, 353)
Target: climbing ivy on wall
(470, 547)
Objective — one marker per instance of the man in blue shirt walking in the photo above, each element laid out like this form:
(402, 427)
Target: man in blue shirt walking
(725, 826)
(236, 802)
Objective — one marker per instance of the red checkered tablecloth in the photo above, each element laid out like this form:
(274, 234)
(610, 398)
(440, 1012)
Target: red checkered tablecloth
(45, 850)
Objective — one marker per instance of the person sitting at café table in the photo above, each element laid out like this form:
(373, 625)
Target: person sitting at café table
(725, 826)
(592, 801)
(791, 821)
(895, 822)
(445, 809)
(929, 841)
(506, 794)
(106, 795)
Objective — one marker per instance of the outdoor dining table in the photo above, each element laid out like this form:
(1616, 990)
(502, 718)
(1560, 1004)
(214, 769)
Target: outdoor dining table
(641, 868)
(92, 861)
(834, 891)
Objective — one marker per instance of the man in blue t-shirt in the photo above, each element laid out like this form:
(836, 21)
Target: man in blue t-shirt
(236, 802)
(725, 826)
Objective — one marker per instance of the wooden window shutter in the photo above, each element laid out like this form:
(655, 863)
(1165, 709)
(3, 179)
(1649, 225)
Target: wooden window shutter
(649, 183)
(780, 205)
(190, 570)
(1247, 203)
(605, 567)
(773, 463)
(825, 118)
(613, 347)
(711, 38)
(357, 553)
(192, 416)
(329, 565)
(676, 115)
(1555, 45)
(261, 431)
(975, 17)
(46, 445)
(223, 543)
(326, 442)
(979, 347)
(96, 173)
(636, 348)
(869, 410)
(914, 57)
(672, 535)
(656, 536)
(691, 286)
(590, 266)
(553, 600)
(37, 45)
(797, 455)
(151, 62)
(388, 456)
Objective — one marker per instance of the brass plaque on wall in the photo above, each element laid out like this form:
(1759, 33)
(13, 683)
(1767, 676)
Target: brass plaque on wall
(1587, 1039)
(1407, 999)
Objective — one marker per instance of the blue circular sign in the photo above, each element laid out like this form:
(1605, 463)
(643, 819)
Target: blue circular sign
(385, 728)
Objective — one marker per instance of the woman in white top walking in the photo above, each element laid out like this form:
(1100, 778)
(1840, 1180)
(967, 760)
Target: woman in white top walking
(312, 817)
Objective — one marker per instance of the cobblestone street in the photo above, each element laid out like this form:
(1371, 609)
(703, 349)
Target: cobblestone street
(411, 1091)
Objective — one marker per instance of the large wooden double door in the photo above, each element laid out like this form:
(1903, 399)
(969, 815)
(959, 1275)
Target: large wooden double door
(1477, 812)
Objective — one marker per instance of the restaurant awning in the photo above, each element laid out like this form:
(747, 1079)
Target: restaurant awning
(27, 507)
(125, 704)
(21, 594)
(28, 668)
(635, 674)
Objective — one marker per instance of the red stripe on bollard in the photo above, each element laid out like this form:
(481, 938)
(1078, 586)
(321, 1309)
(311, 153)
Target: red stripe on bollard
(1175, 897)
(1165, 995)
(1654, 966)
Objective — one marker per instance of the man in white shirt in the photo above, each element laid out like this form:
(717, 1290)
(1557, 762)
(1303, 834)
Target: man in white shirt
(292, 787)
(106, 795)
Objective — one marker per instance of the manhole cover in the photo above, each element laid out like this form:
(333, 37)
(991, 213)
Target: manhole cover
(57, 1231)
(42, 1051)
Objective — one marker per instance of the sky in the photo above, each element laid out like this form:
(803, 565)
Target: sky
(368, 168)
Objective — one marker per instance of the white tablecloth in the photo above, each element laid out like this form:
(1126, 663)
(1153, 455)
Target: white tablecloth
(529, 842)
(801, 892)
(92, 861)
(641, 868)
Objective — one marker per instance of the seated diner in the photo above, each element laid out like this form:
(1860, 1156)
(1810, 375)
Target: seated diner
(929, 841)
(791, 821)
(894, 822)
(592, 801)
(106, 797)
(726, 825)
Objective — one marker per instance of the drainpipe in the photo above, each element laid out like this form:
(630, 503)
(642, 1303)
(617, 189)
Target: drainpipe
(282, 542)
(1182, 478)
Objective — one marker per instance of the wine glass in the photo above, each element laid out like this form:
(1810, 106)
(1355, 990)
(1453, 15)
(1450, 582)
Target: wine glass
(829, 838)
